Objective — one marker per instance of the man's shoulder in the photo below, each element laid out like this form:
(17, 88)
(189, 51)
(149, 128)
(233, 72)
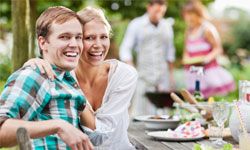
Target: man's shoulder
(27, 73)
(138, 20)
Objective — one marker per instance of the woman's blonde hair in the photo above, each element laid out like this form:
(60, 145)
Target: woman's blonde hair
(195, 6)
(90, 13)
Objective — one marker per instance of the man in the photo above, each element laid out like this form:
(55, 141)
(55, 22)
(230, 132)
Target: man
(49, 110)
(152, 38)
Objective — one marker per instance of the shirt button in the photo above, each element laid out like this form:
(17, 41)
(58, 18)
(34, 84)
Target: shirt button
(75, 85)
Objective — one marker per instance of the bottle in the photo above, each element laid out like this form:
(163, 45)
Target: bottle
(197, 93)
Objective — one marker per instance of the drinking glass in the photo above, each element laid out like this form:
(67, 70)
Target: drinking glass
(244, 141)
(220, 111)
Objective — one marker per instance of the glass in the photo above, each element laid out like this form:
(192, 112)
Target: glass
(244, 141)
(213, 131)
(220, 111)
(244, 91)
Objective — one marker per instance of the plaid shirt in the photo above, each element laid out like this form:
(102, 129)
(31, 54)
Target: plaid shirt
(30, 95)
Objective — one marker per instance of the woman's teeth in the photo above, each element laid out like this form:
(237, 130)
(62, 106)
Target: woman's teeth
(96, 54)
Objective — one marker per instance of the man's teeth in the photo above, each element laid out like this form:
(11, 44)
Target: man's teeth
(70, 54)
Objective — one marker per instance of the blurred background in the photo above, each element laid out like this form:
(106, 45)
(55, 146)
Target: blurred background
(231, 17)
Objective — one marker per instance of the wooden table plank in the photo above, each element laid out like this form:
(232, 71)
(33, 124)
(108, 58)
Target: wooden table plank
(176, 145)
(139, 138)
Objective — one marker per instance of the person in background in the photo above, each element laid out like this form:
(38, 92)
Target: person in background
(152, 38)
(107, 84)
(203, 45)
(49, 110)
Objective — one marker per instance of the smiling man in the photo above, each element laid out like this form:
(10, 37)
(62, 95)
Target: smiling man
(49, 110)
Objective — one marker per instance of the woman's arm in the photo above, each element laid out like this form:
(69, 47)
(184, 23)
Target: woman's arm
(212, 36)
(42, 65)
(87, 118)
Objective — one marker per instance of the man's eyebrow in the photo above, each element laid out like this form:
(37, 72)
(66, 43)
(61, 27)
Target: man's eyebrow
(68, 33)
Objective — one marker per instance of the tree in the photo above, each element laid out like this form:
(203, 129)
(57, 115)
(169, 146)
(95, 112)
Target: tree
(32, 27)
(20, 34)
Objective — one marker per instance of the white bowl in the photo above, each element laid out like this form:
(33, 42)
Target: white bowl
(159, 124)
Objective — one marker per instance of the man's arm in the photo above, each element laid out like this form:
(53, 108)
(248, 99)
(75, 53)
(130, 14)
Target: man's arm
(24, 96)
(37, 129)
(128, 43)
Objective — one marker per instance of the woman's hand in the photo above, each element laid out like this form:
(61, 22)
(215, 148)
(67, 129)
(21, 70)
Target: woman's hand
(42, 65)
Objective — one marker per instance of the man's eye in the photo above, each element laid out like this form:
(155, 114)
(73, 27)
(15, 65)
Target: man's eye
(64, 37)
(79, 37)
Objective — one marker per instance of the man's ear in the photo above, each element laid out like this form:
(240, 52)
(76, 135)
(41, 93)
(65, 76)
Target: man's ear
(42, 43)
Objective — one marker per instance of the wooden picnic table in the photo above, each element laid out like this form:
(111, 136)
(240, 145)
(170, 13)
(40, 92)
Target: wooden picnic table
(139, 138)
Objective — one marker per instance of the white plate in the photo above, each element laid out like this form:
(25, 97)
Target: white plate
(159, 124)
(162, 135)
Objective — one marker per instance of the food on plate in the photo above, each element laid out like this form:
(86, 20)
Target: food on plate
(192, 61)
(162, 117)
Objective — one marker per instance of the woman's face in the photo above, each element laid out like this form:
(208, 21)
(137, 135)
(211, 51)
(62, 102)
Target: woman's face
(96, 42)
(191, 19)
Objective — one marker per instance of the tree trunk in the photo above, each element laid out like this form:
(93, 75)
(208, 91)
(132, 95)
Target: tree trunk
(20, 50)
(33, 16)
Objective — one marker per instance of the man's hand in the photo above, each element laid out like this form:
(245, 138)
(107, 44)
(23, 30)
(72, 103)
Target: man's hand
(73, 137)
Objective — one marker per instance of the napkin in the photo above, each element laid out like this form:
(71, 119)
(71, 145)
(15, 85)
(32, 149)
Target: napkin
(190, 129)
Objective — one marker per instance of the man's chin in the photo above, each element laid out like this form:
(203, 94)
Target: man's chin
(68, 67)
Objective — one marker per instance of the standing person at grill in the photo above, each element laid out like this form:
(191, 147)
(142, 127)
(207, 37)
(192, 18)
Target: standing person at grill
(49, 110)
(152, 38)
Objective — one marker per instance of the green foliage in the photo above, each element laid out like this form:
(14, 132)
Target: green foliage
(241, 34)
(1, 87)
(5, 67)
(72, 4)
(238, 74)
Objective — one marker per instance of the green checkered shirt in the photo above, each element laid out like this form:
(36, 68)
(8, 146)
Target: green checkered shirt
(30, 95)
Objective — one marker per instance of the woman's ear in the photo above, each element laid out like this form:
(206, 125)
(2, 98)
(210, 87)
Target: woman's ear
(42, 43)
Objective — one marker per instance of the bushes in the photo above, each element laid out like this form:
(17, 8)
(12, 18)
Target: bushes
(5, 67)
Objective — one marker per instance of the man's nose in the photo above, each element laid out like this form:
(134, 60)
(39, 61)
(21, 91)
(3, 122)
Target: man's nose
(73, 42)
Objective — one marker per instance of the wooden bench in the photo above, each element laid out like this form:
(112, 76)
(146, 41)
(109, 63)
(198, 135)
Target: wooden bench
(23, 139)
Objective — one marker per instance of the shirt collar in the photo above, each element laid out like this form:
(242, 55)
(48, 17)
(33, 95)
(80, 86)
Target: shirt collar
(60, 73)
(147, 20)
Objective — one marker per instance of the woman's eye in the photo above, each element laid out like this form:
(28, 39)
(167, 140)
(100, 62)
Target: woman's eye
(104, 37)
(89, 38)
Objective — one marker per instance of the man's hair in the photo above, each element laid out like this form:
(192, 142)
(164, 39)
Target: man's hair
(160, 2)
(90, 13)
(57, 14)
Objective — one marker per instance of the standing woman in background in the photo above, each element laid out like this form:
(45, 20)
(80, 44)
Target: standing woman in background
(202, 43)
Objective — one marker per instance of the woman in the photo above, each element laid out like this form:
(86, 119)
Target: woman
(108, 85)
(202, 46)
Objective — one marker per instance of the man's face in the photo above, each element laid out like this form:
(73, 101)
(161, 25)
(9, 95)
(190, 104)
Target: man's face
(156, 12)
(64, 45)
